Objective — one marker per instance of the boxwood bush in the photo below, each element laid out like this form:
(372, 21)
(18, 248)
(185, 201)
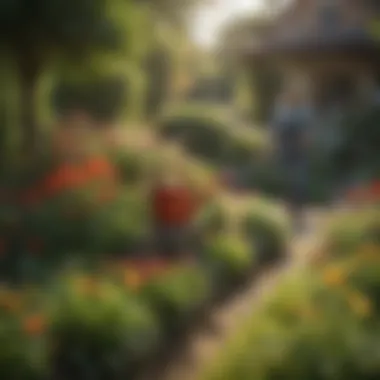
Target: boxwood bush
(97, 328)
(132, 166)
(213, 134)
(266, 226)
(229, 259)
(213, 219)
(177, 296)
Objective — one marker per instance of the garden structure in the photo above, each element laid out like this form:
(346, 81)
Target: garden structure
(331, 48)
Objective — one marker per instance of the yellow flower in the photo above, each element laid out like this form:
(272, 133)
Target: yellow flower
(360, 304)
(132, 279)
(334, 276)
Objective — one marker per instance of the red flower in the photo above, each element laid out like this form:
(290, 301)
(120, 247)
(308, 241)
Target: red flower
(70, 176)
(175, 205)
(100, 166)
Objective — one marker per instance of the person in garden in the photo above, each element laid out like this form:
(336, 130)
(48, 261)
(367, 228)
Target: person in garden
(291, 130)
(174, 207)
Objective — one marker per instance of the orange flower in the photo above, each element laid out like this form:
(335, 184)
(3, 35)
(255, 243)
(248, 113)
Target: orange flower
(34, 324)
(99, 166)
(334, 276)
(133, 279)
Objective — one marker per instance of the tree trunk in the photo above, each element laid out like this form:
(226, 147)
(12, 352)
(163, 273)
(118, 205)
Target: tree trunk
(28, 71)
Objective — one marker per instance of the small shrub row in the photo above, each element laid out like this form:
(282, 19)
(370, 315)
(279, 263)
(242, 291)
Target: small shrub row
(109, 323)
(113, 317)
(262, 224)
(212, 135)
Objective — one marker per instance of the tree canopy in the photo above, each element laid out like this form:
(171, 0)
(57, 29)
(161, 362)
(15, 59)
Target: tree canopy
(34, 33)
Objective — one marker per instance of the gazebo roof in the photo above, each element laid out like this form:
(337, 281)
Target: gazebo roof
(300, 30)
(352, 38)
(349, 40)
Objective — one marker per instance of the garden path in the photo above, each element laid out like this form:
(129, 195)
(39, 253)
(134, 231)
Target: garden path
(204, 344)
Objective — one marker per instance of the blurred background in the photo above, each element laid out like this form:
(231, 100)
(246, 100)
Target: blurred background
(264, 114)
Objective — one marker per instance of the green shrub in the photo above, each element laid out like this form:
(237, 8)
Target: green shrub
(20, 362)
(264, 176)
(203, 133)
(214, 219)
(121, 226)
(228, 257)
(362, 273)
(21, 356)
(267, 227)
(248, 145)
(212, 134)
(177, 295)
(132, 166)
(97, 327)
(303, 330)
(348, 230)
(73, 225)
(103, 98)
(23, 336)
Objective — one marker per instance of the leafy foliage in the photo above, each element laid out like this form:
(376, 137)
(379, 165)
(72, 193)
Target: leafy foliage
(211, 133)
(267, 227)
(228, 256)
(108, 328)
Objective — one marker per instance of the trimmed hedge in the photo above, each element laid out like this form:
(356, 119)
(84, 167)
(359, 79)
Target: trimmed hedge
(211, 133)
(229, 260)
(102, 98)
(267, 227)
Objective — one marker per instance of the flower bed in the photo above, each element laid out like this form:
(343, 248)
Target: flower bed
(81, 298)
(116, 318)
(321, 322)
